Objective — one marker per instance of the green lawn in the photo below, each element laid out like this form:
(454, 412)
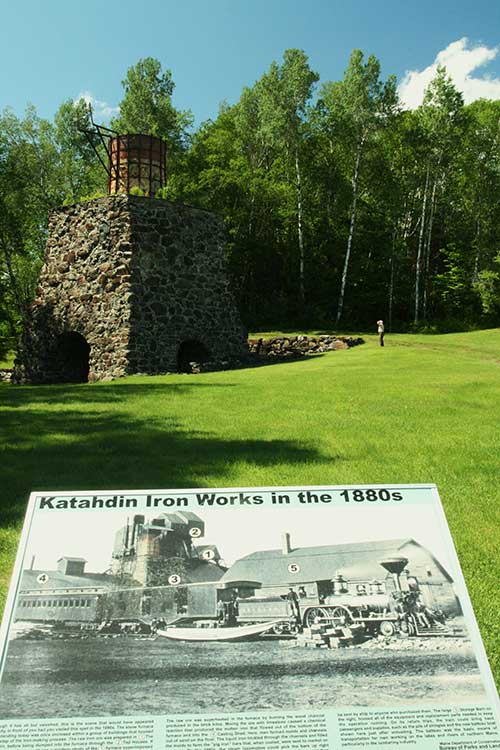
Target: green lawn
(423, 409)
(7, 360)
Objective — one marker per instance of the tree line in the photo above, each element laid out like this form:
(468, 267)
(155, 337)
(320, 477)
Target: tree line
(340, 206)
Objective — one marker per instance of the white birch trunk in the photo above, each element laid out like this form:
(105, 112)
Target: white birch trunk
(428, 248)
(351, 230)
(475, 273)
(299, 227)
(391, 279)
(420, 246)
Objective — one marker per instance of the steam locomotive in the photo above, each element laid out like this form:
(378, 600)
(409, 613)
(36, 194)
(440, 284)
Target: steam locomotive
(375, 607)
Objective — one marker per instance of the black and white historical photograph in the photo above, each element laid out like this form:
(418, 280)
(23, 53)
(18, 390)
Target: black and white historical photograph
(121, 611)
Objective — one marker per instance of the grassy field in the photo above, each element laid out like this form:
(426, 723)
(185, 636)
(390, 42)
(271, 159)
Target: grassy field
(423, 409)
(7, 360)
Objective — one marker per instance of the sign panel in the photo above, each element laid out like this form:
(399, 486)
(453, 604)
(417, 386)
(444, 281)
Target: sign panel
(292, 618)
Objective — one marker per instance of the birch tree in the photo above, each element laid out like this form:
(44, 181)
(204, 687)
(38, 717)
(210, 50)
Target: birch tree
(441, 119)
(360, 105)
(284, 93)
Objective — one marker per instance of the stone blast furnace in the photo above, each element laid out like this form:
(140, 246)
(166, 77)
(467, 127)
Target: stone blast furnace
(130, 284)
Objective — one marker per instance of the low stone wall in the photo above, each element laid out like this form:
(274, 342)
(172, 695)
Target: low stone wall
(290, 346)
(277, 349)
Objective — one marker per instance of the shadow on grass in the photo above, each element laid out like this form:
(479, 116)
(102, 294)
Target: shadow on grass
(14, 396)
(81, 446)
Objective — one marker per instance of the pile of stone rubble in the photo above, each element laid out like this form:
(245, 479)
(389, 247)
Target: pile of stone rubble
(289, 346)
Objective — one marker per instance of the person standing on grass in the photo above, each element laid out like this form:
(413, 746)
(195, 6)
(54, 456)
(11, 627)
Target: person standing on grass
(380, 331)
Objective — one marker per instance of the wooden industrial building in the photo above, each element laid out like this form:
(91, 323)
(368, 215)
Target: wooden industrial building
(352, 570)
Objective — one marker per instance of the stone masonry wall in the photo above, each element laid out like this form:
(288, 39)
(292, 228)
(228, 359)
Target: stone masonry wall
(180, 286)
(135, 277)
(84, 287)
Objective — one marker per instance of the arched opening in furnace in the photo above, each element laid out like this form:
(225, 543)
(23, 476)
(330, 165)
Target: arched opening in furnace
(191, 351)
(73, 352)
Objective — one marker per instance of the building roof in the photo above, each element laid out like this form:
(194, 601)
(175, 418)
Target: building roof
(58, 580)
(204, 572)
(200, 571)
(360, 560)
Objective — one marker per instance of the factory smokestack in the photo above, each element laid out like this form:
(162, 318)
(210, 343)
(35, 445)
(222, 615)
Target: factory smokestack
(138, 521)
(286, 545)
(127, 534)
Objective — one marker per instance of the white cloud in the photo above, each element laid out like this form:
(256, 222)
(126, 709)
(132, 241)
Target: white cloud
(102, 110)
(460, 61)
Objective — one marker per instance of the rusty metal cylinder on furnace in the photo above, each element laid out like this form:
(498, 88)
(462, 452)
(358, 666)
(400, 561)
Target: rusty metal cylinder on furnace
(136, 161)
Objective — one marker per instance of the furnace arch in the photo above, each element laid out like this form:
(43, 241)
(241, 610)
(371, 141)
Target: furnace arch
(73, 358)
(191, 351)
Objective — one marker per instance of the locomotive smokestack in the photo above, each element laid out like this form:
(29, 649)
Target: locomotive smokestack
(286, 545)
(395, 565)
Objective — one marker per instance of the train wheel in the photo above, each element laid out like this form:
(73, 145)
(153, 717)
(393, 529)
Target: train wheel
(386, 628)
(340, 616)
(313, 615)
(279, 628)
(408, 625)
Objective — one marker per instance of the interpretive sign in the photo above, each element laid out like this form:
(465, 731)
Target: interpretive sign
(291, 618)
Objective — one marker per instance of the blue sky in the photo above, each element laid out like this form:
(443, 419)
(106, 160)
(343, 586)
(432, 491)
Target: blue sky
(53, 50)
